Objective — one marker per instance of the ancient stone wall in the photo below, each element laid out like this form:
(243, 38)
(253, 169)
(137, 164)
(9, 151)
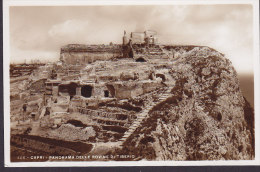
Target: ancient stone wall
(83, 54)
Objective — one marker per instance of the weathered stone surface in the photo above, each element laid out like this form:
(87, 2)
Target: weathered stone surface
(206, 118)
(80, 53)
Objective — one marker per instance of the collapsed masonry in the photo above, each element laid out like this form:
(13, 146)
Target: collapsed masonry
(92, 74)
(96, 81)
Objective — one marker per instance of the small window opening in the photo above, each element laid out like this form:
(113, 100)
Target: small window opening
(106, 93)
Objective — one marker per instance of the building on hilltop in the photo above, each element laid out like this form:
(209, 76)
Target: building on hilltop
(133, 46)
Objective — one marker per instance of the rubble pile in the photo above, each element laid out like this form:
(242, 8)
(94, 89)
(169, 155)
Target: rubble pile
(71, 133)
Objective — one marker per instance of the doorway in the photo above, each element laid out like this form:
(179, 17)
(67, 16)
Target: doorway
(86, 91)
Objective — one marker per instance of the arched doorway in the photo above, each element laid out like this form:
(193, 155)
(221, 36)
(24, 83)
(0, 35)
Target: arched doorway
(140, 59)
(86, 91)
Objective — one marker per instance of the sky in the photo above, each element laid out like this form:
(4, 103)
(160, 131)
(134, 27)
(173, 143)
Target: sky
(38, 32)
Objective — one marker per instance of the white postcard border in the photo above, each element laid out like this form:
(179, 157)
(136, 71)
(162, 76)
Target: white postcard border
(6, 62)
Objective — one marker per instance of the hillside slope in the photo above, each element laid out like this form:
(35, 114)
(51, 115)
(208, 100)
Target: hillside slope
(205, 118)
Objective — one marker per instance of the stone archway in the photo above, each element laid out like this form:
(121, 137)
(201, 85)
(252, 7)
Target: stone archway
(68, 88)
(140, 59)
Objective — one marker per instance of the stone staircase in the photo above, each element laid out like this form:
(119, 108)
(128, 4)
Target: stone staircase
(143, 115)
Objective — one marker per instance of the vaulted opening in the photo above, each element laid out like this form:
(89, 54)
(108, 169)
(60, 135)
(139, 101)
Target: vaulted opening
(86, 91)
(68, 88)
(140, 59)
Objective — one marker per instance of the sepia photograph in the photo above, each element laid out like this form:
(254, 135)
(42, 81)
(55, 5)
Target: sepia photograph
(151, 82)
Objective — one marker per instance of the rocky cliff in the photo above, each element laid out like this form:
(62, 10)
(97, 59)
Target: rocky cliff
(205, 118)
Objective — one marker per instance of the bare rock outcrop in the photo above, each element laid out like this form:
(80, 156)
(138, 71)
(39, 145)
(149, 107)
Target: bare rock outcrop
(205, 118)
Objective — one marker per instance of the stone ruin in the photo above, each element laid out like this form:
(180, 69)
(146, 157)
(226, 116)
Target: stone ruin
(102, 93)
(96, 81)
